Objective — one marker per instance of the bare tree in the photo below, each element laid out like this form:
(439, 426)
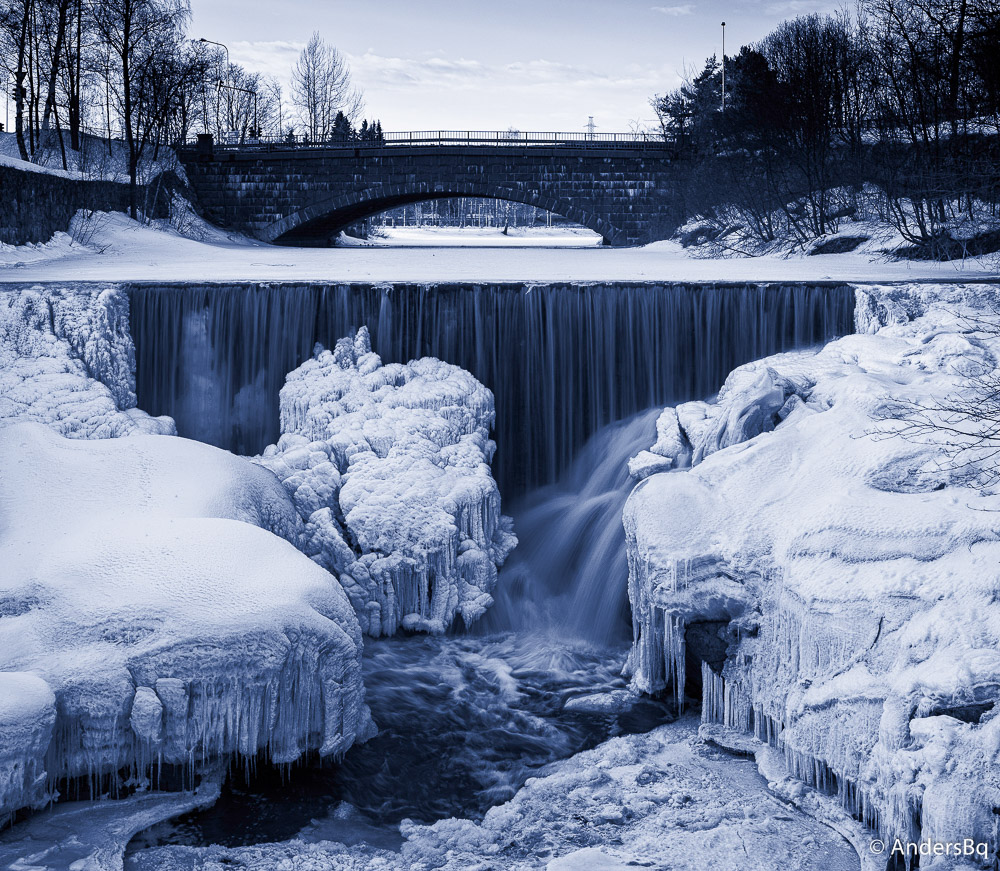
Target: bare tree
(15, 18)
(322, 88)
(963, 426)
(144, 37)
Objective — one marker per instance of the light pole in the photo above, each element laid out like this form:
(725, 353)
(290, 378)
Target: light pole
(218, 82)
(221, 45)
(228, 87)
(723, 66)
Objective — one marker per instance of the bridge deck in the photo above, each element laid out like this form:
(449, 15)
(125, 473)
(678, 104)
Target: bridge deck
(426, 139)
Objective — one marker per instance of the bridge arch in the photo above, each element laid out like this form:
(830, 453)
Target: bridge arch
(321, 221)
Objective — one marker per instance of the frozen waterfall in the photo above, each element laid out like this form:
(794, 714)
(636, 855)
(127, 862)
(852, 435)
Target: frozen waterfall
(562, 360)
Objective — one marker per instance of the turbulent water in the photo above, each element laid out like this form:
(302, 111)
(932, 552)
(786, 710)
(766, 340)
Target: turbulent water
(579, 374)
(563, 360)
(569, 572)
(463, 722)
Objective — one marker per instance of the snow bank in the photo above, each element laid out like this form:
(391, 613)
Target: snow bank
(389, 468)
(119, 249)
(67, 360)
(837, 579)
(147, 585)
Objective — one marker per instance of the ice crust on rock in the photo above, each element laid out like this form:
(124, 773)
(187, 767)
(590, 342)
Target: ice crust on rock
(27, 715)
(67, 360)
(154, 611)
(849, 572)
(389, 468)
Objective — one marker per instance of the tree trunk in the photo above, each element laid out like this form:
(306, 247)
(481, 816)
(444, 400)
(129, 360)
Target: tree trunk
(19, 83)
(50, 97)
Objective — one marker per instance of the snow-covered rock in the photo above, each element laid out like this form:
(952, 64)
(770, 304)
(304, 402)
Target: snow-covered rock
(153, 610)
(388, 465)
(67, 360)
(840, 572)
(27, 715)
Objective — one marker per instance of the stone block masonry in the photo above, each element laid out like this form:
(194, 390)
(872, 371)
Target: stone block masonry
(307, 196)
(36, 204)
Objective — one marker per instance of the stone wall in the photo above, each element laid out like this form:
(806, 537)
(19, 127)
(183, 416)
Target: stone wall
(35, 205)
(308, 196)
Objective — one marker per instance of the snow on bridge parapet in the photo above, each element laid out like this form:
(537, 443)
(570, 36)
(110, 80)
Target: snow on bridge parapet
(388, 466)
(850, 578)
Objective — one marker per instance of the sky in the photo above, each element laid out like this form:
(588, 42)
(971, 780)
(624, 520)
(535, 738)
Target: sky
(541, 65)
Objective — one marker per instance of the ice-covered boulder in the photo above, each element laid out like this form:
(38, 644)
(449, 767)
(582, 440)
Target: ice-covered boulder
(67, 360)
(836, 571)
(389, 467)
(153, 609)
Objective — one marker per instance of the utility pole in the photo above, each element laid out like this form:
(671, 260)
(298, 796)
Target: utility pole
(723, 66)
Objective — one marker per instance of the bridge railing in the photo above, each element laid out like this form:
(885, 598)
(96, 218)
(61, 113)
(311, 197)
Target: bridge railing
(433, 138)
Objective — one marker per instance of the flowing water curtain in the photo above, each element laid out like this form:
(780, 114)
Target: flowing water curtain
(563, 360)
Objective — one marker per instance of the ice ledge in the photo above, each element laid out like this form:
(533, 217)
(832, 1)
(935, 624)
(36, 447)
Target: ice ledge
(141, 621)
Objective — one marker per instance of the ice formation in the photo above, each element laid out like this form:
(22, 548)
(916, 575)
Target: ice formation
(388, 465)
(153, 613)
(154, 609)
(659, 800)
(67, 360)
(835, 574)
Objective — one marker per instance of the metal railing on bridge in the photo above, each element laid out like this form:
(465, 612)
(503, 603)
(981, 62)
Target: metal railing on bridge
(444, 138)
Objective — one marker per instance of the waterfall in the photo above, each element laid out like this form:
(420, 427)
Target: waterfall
(563, 360)
(569, 572)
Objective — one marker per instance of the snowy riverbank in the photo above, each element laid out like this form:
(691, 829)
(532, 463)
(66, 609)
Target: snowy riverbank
(118, 249)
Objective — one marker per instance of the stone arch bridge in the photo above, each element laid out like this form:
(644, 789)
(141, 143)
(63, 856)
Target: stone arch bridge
(619, 185)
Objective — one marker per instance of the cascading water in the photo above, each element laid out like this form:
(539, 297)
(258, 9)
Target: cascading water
(580, 373)
(562, 360)
(569, 572)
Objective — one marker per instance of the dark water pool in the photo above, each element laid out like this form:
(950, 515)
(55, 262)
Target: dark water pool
(463, 722)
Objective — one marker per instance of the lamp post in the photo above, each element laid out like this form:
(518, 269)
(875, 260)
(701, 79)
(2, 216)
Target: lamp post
(221, 45)
(723, 66)
(218, 82)
(228, 87)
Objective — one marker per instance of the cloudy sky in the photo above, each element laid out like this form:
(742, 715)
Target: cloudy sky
(476, 65)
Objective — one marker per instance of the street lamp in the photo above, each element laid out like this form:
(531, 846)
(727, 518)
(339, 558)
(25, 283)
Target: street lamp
(223, 47)
(723, 66)
(228, 87)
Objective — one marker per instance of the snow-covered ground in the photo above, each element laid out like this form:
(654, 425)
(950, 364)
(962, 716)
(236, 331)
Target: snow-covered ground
(478, 237)
(660, 800)
(122, 250)
(840, 568)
